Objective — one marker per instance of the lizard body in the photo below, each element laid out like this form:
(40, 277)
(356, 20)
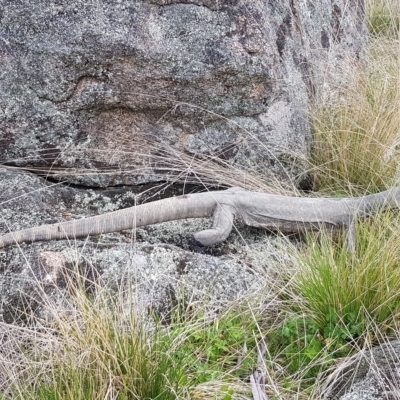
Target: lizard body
(274, 212)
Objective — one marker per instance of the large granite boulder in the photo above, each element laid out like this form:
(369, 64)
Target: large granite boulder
(97, 86)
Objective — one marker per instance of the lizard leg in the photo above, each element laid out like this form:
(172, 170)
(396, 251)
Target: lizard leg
(222, 226)
(351, 236)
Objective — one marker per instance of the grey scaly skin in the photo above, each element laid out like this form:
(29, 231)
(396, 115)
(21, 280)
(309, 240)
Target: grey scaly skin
(274, 212)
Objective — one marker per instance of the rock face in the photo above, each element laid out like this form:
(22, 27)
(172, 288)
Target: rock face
(371, 375)
(89, 85)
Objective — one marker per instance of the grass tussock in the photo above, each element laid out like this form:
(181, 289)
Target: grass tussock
(357, 142)
(336, 304)
(357, 137)
(383, 18)
(102, 349)
(354, 289)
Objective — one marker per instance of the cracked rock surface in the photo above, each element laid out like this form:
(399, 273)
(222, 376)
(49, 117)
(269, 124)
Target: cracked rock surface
(87, 85)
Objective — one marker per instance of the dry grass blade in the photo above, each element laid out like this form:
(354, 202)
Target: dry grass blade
(150, 160)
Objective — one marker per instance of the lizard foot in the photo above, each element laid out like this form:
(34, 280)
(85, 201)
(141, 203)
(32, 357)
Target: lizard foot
(222, 226)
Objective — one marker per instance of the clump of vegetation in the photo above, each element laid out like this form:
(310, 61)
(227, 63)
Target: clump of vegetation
(102, 349)
(356, 145)
(356, 138)
(364, 286)
(305, 349)
(214, 347)
(337, 303)
(384, 18)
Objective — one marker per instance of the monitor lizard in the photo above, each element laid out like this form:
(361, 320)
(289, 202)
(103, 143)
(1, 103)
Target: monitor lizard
(286, 214)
